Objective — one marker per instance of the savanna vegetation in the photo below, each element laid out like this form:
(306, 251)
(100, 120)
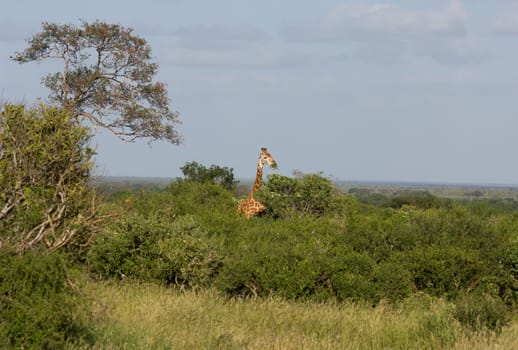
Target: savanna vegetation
(176, 266)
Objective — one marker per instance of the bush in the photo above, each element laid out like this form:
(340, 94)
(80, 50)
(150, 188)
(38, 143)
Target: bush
(393, 281)
(196, 172)
(279, 257)
(38, 308)
(45, 165)
(187, 255)
(152, 249)
(481, 312)
(351, 274)
(200, 199)
(189, 234)
(418, 199)
(310, 194)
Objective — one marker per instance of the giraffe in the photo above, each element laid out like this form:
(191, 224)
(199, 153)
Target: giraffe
(250, 206)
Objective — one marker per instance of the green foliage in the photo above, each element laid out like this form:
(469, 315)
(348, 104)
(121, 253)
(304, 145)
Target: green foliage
(350, 274)
(277, 258)
(310, 194)
(189, 234)
(512, 258)
(443, 271)
(208, 200)
(509, 291)
(223, 176)
(38, 308)
(45, 165)
(393, 280)
(418, 199)
(481, 312)
(152, 244)
(107, 78)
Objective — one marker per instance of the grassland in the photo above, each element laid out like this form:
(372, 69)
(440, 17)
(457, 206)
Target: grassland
(385, 267)
(130, 315)
(184, 236)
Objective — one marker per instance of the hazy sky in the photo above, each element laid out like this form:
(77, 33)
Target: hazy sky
(380, 90)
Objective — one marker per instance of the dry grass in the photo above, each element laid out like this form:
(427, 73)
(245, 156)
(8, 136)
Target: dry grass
(146, 316)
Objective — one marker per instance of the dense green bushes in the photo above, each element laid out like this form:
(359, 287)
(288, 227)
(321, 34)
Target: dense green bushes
(309, 194)
(481, 312)
(38, 307)
(197, 172)
(45, 165)
(149, 248)
(190, 235)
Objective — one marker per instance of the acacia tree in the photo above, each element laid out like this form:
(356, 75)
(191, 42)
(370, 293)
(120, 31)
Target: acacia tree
(107, 79)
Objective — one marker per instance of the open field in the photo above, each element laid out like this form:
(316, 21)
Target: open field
(130, 315)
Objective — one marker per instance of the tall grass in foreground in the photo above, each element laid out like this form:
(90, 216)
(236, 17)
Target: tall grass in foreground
(146, 316)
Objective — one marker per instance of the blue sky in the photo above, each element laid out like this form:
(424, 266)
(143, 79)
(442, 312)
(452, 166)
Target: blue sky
(360, 90)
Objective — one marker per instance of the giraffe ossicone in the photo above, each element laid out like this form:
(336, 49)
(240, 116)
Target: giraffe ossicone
(250, 206)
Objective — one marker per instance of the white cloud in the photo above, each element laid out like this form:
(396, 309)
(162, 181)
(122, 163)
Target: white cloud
(386, 32)
(268, 56)
(232, 45)
(507, 23)
(360, 21)
(219, 36)
(226, 45)
(452, 50)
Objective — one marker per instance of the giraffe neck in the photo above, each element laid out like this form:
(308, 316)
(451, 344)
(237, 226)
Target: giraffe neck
(258, 179)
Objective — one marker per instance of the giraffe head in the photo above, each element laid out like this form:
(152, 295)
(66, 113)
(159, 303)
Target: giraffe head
(267, 158)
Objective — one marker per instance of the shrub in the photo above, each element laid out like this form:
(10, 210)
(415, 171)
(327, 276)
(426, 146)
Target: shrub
(393, 281)
(187, 255)
(418, 199)
(200, 199)
(196, 172)
(351, 274)
(509, 291)
(189, 234)
(442, 271)
(310, 194)
(38, 308)
(279, 257)
(127, 248)
(152, 249)
(478, 312)
(45, 165)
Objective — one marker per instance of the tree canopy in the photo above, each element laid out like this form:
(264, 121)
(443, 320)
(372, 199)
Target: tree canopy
(197, 172)
(107, 79)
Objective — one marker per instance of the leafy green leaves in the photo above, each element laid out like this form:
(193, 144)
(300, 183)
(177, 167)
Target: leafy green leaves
(196, 172)
(45, 166)
(310, 194)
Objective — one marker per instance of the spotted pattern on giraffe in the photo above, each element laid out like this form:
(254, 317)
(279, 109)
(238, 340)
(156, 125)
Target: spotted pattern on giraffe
(250, 206)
